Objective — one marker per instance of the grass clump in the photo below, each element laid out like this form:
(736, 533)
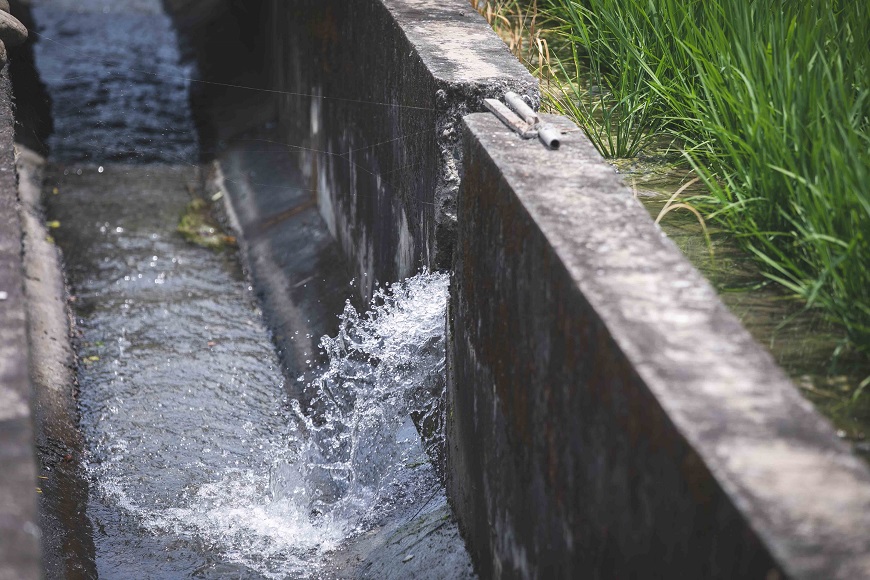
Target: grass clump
(768, 102)
(516, 22)
(614, 105)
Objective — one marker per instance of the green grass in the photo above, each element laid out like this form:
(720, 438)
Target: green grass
(768, 102)
(614, 106)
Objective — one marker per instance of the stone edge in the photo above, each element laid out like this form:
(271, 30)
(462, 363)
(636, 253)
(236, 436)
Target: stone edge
(19, 530)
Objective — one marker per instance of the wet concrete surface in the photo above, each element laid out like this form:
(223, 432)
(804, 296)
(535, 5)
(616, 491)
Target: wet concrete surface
(67, 546)
(301, 278)
(174, 361)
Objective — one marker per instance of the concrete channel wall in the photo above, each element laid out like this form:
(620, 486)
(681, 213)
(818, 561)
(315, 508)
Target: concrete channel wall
(19, 522)
(371, 95)
(607, 415)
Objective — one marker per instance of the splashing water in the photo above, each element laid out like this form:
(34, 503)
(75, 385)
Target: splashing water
(385, 370)
(318, 473)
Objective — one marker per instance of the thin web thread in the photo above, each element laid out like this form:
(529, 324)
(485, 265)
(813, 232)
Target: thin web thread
(344, 155)
(246, 87)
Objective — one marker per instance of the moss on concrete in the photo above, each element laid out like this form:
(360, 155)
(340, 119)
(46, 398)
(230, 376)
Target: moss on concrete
(198, 226)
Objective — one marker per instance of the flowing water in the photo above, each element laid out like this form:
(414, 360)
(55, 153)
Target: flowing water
(199, 465)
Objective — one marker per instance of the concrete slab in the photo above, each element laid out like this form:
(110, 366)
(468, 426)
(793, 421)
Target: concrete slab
(608, 416)
(301, 277)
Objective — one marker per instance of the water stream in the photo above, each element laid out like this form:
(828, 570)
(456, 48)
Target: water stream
(199, 464)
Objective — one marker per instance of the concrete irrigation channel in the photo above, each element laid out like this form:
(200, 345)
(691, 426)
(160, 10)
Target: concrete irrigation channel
(578, 403)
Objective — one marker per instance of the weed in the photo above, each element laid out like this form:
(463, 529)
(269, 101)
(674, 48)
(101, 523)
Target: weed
(769, 100)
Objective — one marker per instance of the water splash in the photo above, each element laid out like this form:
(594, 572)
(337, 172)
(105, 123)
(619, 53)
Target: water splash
(317, 474)
(385, 373)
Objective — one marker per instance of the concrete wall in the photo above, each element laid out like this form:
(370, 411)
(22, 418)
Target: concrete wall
(370, 95)
(19, 530)
(607, 416)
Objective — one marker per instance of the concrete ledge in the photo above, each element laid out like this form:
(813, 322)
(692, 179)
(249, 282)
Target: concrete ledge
(606, 414)
(67, 538)
(19, 531)
(372, 91)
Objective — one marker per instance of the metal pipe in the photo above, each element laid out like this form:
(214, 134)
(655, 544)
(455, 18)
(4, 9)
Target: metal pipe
(517, 103)
(550, 136)
(509, 118)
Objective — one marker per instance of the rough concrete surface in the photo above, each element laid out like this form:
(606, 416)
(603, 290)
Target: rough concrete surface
(370, 94)
(19, 530)
(421, 549)
(607, 416)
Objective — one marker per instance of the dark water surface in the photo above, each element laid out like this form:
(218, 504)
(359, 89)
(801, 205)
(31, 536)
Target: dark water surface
(118, 89)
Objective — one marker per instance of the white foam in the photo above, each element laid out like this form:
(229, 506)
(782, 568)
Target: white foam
(332, 469)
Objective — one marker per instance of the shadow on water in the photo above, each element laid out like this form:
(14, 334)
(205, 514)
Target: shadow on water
(807, 345)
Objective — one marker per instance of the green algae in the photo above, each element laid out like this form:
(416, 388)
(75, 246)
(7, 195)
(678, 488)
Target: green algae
(198, 226)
